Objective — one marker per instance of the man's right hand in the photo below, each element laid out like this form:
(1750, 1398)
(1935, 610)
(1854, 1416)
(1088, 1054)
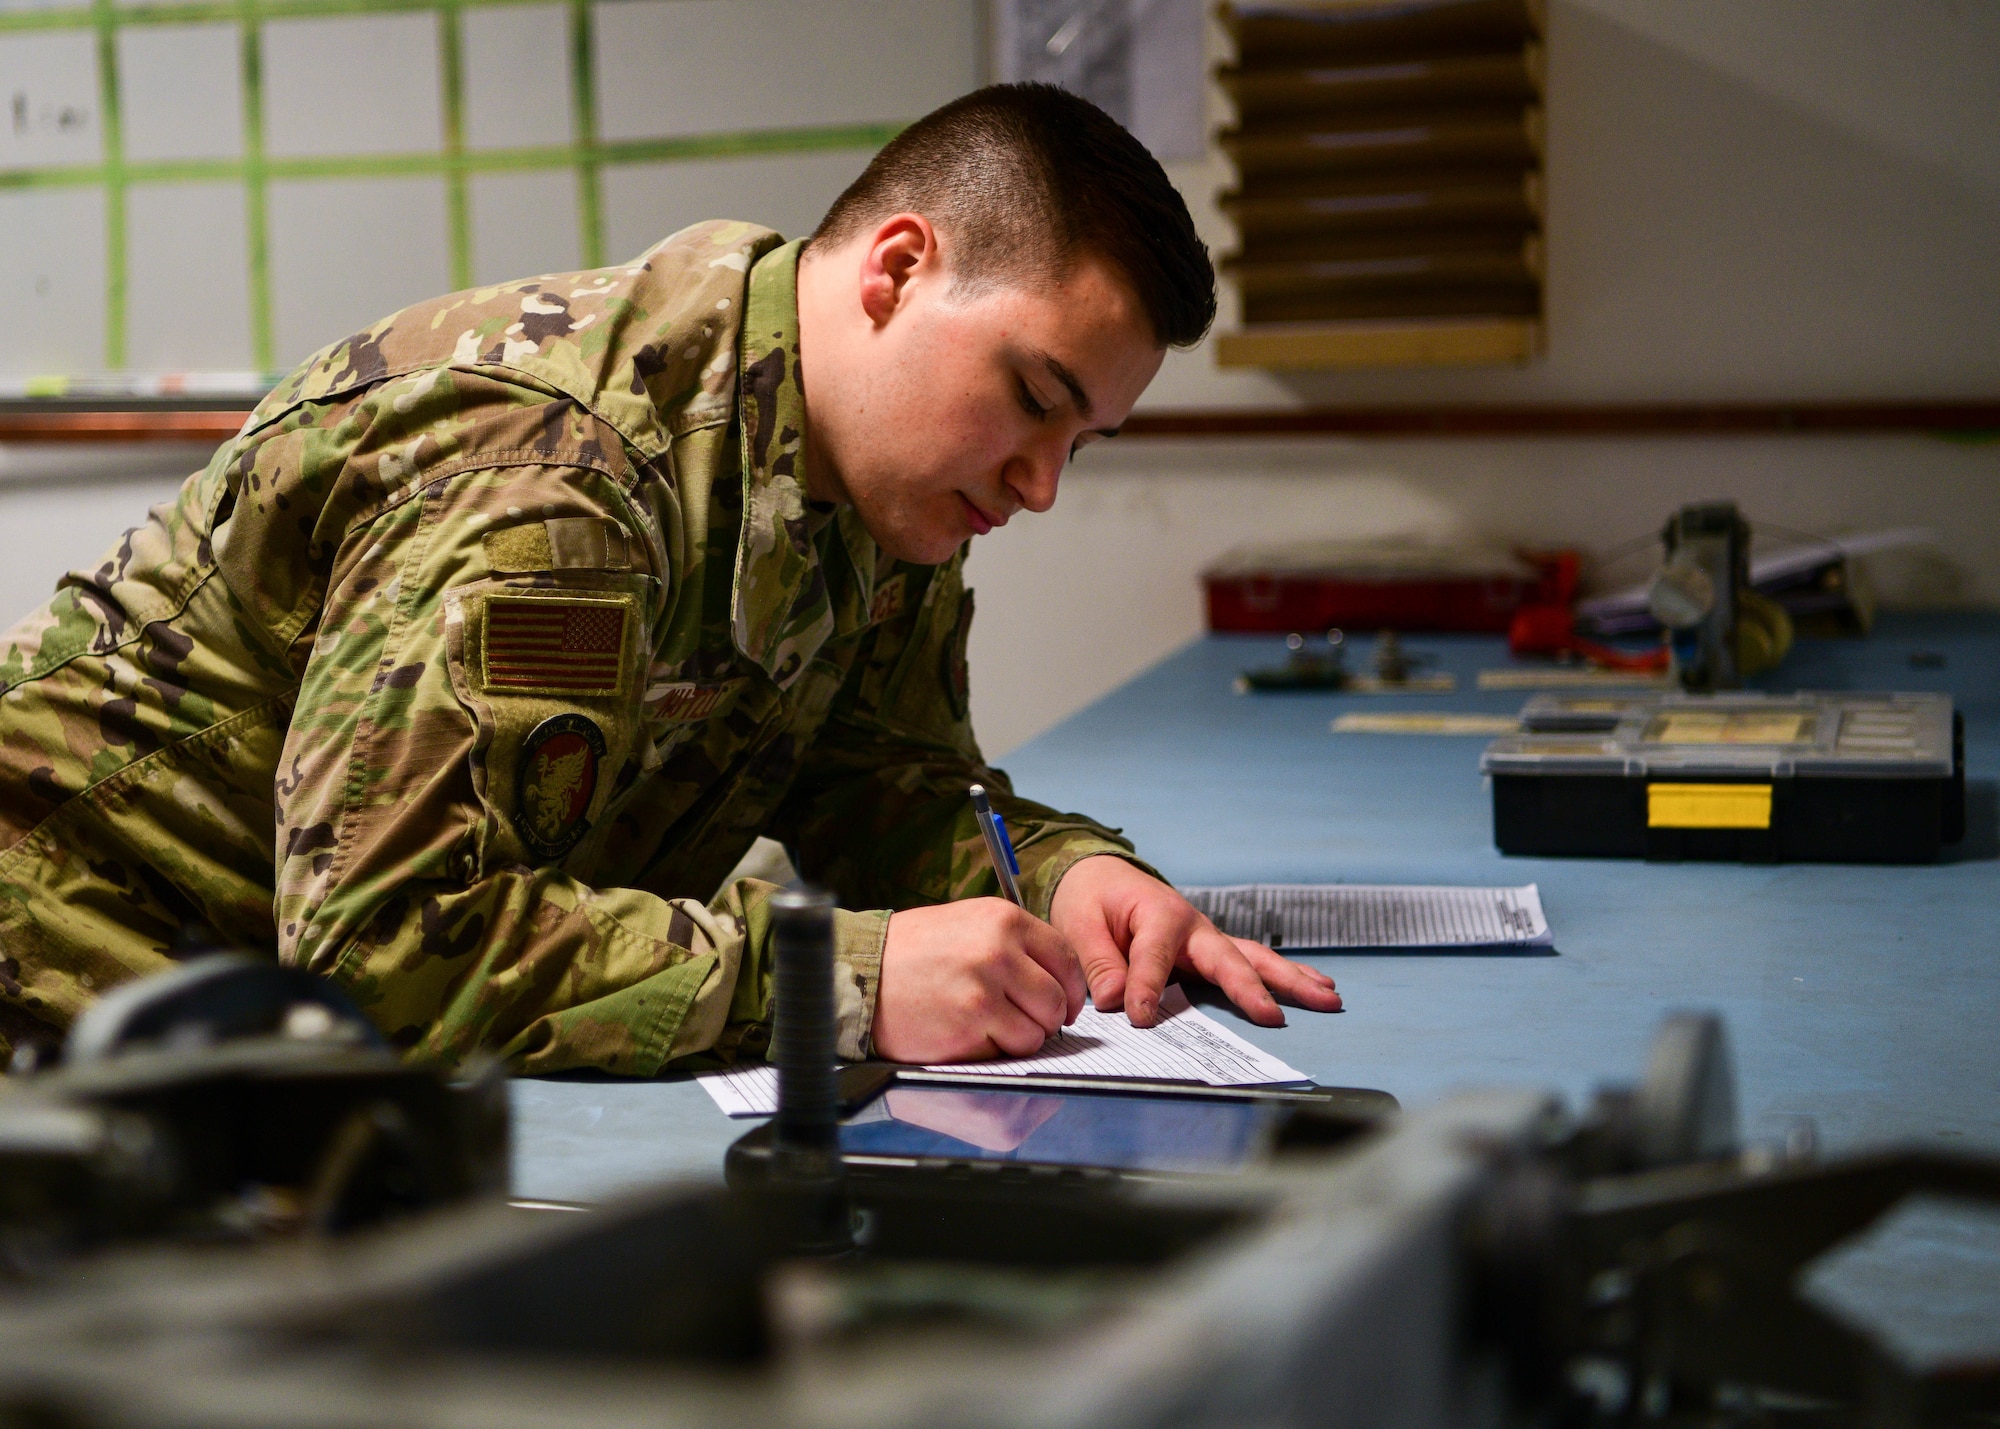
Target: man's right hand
(970, 980)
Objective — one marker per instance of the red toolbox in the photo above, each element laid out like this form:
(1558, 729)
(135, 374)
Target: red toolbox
(1374, 585)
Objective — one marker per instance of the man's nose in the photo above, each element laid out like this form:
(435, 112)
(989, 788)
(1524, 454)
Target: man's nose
(1033, 475)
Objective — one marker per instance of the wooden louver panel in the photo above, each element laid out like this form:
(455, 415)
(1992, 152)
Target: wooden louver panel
(1388, 199)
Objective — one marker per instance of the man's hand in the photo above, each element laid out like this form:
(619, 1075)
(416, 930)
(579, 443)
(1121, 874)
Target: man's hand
(1132, 931)
(965, 981)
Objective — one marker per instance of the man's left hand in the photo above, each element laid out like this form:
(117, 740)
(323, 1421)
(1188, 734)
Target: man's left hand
(1131, 932)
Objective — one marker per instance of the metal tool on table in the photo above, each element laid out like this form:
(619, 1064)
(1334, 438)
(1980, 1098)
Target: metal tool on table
(1309, 665)
(1718, 628)
(1313, 665)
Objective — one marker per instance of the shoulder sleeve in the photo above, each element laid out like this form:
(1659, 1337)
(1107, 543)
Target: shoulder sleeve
(468, 715)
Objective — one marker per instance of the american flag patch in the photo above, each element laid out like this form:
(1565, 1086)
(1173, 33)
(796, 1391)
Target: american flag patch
(555, 647)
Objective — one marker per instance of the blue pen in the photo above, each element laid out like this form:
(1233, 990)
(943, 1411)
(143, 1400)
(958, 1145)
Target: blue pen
(998, 847)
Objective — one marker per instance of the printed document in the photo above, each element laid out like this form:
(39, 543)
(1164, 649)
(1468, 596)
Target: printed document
(1307, 917)
(1186, 1046)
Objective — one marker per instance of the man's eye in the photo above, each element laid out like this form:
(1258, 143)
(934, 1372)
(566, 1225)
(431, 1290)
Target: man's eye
(1028, 403)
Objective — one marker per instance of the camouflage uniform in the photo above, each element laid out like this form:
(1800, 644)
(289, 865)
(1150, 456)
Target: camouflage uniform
(511, 617)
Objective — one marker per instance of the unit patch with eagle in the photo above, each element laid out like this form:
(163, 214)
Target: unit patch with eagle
(558, 776)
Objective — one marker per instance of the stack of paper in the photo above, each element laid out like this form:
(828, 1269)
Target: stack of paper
(1185, 1046)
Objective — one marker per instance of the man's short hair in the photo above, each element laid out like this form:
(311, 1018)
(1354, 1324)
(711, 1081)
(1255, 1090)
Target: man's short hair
(1024, 178)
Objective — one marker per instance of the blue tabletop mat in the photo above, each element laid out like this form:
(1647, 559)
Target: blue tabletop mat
(1864, 998)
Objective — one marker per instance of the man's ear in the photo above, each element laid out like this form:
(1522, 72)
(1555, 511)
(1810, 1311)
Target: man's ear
(903, 247)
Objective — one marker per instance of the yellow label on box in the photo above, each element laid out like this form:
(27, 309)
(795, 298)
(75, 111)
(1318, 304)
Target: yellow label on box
(1708, 806)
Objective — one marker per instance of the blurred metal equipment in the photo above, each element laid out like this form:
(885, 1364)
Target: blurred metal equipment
(231, 1099)
(1491, 1261)
(1309, 665)
(807, 1185)
(1719, 629)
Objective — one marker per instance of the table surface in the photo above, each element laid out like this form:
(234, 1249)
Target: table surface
(1864, 998)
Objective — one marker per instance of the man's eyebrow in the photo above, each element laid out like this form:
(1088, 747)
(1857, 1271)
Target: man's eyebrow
(1062, 374)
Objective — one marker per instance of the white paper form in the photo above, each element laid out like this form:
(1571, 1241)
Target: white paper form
(750, 1089)
(1303, 917)
(1186, 1046)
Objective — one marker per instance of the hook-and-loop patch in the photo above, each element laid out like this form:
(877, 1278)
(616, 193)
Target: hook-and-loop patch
(543, 646)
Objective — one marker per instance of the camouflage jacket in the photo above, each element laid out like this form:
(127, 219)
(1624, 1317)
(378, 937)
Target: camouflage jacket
(510, 616)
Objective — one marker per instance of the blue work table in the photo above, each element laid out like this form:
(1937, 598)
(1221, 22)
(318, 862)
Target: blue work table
(1865, 998)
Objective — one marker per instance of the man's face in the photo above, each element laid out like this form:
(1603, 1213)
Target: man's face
(941, 413)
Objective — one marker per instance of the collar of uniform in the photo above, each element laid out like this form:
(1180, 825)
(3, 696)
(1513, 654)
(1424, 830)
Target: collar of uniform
(848, 552)
(856, 597)
(781, 613)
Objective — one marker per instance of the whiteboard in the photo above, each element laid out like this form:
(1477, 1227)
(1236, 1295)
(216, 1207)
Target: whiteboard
(196, 194)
